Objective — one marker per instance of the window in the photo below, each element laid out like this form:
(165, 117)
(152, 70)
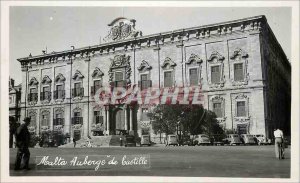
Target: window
(45, 120)
(193, 76)
(97, 84)
(238, 72)
(33, 90)
(215, 74)
(46, 93)
(119, 76)
(98, 118)
(168, 80)
(78, 90)
(33, 96)
(59, 92)
(241, 111)
(144, 81)
(218, 109)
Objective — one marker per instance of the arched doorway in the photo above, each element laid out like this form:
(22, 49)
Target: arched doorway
(119, 119)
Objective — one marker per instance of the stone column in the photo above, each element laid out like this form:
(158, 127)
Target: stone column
(104, 121)
(131, 122)
(107, 122)
(126, 122)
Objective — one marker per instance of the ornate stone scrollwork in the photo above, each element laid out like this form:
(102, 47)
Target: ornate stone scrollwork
(216, 59)
(194, 58)
(33, 82)
(144, 66)
(168, 63)
(122, 28)
(120, 61)
(46, 80)
(60, 78)
(242, 97)
(97, 73)
(239, 56)
(77, 75)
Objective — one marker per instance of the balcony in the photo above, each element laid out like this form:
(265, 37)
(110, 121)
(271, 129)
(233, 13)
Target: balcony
(59, 94)
(94, 89)
(45, 96)
(77, 92)
(77, 121)
(58, 121)
(32, 97)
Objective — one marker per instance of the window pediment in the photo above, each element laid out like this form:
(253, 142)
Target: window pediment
(33, 81)
(97, 73)
(194, 58)
(144, 66)
(77, 75)
(216, 56)
(46, 80)
(60, 78)
(168, 62)
(120, 61)
(238, 53)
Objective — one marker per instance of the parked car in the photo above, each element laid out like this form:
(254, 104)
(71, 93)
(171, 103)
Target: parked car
(261, 139)
(145, 140)
(247, 139)
(202, 139)
(217, 140)
(130, 141)
(185, 140)
(232, 139)
(172, 140)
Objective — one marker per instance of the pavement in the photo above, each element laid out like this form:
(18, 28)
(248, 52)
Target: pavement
(187, 161)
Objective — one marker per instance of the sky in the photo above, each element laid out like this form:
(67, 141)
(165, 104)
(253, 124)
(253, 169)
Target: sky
(32, 29)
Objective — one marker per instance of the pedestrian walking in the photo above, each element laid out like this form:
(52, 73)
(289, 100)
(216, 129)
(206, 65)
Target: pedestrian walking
(23, 139)
(279, 145)
(74, 142)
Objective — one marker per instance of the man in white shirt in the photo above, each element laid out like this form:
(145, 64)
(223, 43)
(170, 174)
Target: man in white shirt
(278, 134)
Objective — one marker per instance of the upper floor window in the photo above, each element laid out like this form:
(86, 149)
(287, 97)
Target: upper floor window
(46, 89)
(241, 110)
(144, 70)
(98, 118)
(217, 108)
(238, 72)
(145, 81)
(193, 76)
(120, 71)
(78, 90)
(97, 76)
(59, 92)
(168, 79)
(215, 74)
(33, 90)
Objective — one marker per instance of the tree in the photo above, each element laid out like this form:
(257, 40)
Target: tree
(193, 119)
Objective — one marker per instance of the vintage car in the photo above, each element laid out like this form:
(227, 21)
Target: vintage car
(261, 139)
(172, 140)
(217, 140)
(247, 139)
(185, 140)
(130, 141)
(232, 139)
(201, 139)
(145, 140)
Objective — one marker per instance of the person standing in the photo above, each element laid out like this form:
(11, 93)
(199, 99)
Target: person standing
(74, 142)
(278, 135)
(23, 140)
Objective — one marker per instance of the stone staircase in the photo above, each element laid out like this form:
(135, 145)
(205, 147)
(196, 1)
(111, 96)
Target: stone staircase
(96, 141)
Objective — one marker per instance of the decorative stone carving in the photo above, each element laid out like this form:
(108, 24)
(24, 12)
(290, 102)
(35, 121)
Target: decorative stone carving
(60, 78)
(77, 126)
(239, 56)
(45, 128)
(216, 59)
(58, 128)
(77, 75)
(144, 66)
(218, 99)
(245, 98)
(168, 63)
(33, 82)
(145, 124)
(46, 80)
(97, 127)
(120, 61)
(97, 73)
(194, 58)
(122, 28)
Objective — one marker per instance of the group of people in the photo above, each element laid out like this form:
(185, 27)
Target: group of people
(23, 139)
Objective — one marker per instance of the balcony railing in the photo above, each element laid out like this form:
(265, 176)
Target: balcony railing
(32, 97)
(77, 120)
(144, 84)
(45, 95)
(77, 92)
(58, 121)
(94, 89)
(59, 94)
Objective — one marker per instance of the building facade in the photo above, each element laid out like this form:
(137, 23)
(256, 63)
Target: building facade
(14, 100)
(243, 73)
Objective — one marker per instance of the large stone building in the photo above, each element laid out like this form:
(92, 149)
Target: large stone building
(242, 70)
(14, 100)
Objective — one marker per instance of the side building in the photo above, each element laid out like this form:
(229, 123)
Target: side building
(243, 73)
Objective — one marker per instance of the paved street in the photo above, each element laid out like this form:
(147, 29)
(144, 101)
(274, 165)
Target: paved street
(206, 161)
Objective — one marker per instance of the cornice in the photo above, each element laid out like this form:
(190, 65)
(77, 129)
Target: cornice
(153, 40)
